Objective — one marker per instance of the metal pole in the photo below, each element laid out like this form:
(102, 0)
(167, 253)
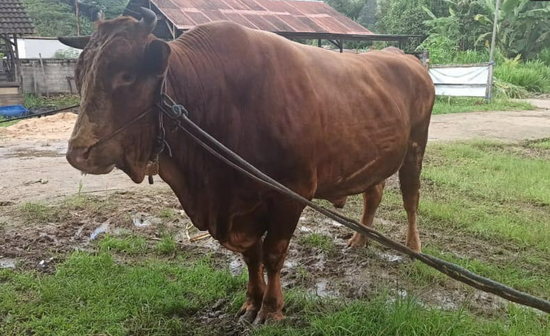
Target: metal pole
(489, 91)
(77, 9)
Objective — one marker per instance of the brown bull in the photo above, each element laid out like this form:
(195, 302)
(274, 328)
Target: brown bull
(326, 125)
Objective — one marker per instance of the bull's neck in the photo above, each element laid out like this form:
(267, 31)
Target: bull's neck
(190, 170)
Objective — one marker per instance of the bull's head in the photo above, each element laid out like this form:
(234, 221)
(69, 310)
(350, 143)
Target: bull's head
(117, 75)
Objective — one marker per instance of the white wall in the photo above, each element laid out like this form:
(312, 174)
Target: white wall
(32, 47)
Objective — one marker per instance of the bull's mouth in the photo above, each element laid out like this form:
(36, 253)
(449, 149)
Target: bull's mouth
(92, 162)
(81, 159)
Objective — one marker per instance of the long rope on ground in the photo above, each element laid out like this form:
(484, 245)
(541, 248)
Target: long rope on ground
(456, 272)
(37, 115)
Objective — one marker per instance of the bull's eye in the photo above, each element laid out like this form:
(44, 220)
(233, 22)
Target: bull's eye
(128, 77)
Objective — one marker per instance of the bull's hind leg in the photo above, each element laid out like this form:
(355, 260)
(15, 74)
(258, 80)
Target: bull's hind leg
(256, 282)
(371, 201)
(409, 179)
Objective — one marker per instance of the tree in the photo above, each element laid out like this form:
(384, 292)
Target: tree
(457, 24)
(523, 27)
(52, 18)
(350, 8)
(368, 14)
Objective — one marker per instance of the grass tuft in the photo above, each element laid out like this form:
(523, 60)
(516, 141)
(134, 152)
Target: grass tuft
(444, 105)
(131, 244)
(167, 245)
(36, 212)
(318, 241)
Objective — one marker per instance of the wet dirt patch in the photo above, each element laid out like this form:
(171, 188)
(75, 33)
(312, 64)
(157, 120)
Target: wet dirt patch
(32, 153)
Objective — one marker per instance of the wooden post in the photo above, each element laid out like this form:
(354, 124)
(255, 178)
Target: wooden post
(17, 64)
(489, 90)
(319, 43)
(44, 75)
(34, 79)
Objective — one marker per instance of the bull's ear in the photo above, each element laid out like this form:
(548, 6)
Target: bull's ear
(157, 53)
(78, 42)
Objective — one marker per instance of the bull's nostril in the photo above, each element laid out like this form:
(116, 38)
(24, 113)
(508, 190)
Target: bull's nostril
(77, 156)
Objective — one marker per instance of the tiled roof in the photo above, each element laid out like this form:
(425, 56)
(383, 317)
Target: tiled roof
(14, 18)
(279, 16)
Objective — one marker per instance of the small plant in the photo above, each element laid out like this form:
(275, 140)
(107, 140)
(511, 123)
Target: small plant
(130, 244)
(36, 211)
(167, 244)
(167, 214)
(318, 241)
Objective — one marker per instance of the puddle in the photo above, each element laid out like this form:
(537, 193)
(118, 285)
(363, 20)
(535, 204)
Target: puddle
(103, 228)
(236, 266)
(290, 264)
(142, 219)
(444, 301)
(332, 222)
(31, 152)
(390, 257)
(7, 263)
(322, 289)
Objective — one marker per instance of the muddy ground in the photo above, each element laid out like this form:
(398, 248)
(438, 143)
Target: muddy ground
(33, 168)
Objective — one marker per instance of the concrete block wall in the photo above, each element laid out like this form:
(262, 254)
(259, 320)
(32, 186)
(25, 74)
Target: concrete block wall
(56, 72)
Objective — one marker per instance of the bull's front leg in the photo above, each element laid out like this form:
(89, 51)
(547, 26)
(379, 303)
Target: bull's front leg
(256, 282)
(285, 216)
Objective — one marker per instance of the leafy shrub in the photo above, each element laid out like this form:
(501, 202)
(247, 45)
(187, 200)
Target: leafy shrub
(509, 91)
(544, 56)
(534, 76)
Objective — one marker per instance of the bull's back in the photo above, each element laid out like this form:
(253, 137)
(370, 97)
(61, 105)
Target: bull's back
(350, 116)
(342, 121)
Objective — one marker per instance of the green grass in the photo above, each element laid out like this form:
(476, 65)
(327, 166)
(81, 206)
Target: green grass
(6, 124)
(167, 245)
(54, 102)
(41, 212)
(93, 295)
(131, 244)
(318, 241)
(513, 273)
(445, 105)
(407, 317)
(541, 144)
(36, 212)
(168, 214)
(492, 193)
(486, 189)
(534, 76)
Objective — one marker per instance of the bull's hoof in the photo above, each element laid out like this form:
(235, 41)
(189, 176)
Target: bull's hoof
(268, 317)
(414, 244)
(357, 241)
(248, 312)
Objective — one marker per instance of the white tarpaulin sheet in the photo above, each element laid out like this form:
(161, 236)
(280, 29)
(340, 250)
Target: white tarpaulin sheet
(469, 80)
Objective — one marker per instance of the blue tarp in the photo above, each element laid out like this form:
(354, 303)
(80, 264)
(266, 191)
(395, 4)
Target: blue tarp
(12, 111)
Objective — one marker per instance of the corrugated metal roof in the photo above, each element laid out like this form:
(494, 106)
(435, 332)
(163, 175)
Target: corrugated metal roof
(279, 16)
(14, 18)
